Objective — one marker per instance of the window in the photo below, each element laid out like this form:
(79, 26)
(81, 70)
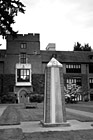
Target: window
(23, 75)
(23, 58)
(73, 68)
(90, 68)
(76, 81)
(23, 46)
(91, 82)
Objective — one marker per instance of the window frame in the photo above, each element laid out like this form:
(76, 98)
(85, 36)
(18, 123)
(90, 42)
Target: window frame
(23, 75)
(23, 58)
(91, 83)
(77, 81)
(23, 45)
(73, 68)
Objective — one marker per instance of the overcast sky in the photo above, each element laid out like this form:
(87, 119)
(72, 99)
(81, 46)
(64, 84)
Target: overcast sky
(63, 22)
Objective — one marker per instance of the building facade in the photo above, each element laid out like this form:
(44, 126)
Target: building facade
(23, 58)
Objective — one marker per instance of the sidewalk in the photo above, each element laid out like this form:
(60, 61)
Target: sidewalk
(30, 127)
(2, 109)
(82, 113)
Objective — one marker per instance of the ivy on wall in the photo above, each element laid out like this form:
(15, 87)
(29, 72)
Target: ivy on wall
(38, 81)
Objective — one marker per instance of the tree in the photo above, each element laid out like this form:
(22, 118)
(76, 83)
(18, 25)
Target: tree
(78, 47)
(72, 93)
(86, 47)
(8, 10)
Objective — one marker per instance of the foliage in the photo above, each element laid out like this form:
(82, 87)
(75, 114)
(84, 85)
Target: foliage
(71, 93)
(8, 10)
(79, 47)
(8, 98)
(37, 98)
(38, 81)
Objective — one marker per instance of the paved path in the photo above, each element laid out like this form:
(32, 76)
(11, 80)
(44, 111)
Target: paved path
(82, 113)
(2, 108)
(30, 127)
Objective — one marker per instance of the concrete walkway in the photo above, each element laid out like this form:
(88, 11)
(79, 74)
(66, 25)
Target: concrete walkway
(2, 108)
(35, 126)
(82, 113)
(30, 127)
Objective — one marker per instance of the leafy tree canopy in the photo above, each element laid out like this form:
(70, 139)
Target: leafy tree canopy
(8, 10)
(79, 47)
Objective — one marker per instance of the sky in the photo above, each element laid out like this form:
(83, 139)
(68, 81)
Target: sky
(63, 22)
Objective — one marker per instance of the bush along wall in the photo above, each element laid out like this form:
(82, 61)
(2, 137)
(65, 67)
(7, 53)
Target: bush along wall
(38, 82)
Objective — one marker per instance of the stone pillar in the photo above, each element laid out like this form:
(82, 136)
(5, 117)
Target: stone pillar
(54, 99)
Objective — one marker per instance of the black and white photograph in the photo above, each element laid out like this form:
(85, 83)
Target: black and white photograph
(46, 69)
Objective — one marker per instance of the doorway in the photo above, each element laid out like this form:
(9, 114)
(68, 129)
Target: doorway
(23, 97)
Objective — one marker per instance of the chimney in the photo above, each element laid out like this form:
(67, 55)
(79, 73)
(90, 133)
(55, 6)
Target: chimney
(51, 47)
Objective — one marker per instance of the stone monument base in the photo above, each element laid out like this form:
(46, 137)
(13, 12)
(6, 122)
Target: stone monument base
(63, 124)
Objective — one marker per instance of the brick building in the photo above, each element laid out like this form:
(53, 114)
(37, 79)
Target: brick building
(23, 59)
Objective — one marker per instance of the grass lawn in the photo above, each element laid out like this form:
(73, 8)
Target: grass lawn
(16, 134)
(82, 106)
(35, 114)
(67, 135)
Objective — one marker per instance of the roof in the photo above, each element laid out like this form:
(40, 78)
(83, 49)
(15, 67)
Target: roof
(67, 56)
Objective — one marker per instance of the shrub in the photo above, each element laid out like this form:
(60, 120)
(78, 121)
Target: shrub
(86, 99)
(37, 98)
(72, 92)
(8, 98)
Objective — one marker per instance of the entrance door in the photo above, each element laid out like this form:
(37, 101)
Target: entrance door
(22, 96)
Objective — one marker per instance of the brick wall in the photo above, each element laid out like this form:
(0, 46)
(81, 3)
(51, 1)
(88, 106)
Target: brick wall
(32, 41)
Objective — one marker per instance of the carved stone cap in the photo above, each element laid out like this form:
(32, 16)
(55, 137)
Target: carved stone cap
(54, 63)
